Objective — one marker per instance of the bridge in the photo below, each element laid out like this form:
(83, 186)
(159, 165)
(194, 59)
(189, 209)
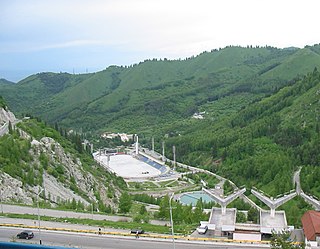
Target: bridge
(271, 202)
(309, 199)
(224, 201)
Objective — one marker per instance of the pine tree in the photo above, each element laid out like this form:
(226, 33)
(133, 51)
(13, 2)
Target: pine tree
(125, 203)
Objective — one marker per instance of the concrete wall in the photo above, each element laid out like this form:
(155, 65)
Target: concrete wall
(247, 236)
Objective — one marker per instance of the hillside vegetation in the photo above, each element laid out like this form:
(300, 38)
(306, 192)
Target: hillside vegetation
(261, 109)
(139, 97)
(33, 155)
(263, 143)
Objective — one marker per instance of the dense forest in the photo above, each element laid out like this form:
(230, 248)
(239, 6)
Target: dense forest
(260, 110)
(262, 144)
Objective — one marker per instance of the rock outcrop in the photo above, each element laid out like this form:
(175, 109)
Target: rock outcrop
(62, 177)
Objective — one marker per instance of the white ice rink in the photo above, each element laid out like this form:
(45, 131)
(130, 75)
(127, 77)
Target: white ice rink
(127, 166)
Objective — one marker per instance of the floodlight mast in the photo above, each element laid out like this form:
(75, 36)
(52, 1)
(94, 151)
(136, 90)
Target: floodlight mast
(163, 157)
(137, 145)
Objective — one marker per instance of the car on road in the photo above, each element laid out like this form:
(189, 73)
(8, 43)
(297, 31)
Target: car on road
(202, 229)
(137, 231)
(25, 235)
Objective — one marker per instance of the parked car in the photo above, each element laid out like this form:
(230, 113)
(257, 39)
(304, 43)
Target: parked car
(202, 229)
(25, 235)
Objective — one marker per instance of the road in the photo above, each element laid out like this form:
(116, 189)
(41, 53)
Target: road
(296, 181)
(58, 213)
(109, 242)
(70, 214)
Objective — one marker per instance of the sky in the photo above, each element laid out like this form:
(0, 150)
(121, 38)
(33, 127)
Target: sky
(79, 36)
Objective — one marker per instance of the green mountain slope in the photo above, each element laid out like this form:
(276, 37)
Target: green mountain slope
(261, 110)
(140, 96)
(4, 81)
(263, 143)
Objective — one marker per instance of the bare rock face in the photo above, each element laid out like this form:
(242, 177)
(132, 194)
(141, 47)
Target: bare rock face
(72, 166)
(84, 181)
(6, 117)
(56, 192)
(12, 190)
(62, 175)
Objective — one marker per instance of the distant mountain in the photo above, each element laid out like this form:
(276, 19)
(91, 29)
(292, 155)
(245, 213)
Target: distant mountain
(4, 81)
(139, 97)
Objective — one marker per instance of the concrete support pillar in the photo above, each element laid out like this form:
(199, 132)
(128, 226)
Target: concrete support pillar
(223, 209)
(272, 212)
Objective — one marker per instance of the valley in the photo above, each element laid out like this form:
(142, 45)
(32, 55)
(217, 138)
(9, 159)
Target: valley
(246, 115)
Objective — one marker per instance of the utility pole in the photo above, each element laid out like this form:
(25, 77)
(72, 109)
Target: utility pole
(1, 201)
(171, 220)
(39, 192)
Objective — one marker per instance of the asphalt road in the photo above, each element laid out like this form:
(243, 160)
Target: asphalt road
(70, 214)
(106, 242)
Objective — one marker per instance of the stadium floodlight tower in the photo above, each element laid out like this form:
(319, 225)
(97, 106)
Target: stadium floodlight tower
(273, 203)
(174, 156)
(163, 156)
(224, 201)
(91, 148)
(137, 145)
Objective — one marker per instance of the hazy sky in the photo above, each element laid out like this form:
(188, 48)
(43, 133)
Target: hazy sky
(90, 35)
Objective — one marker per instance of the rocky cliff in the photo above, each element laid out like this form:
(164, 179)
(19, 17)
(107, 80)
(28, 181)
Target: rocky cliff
(44, 165)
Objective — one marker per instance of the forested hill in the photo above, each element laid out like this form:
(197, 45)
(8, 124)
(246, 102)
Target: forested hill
(4, 81)
(140, 97)
(260, 109)
(265, 142)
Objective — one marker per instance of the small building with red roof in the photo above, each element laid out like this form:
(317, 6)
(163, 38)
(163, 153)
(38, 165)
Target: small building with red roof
(311, 227)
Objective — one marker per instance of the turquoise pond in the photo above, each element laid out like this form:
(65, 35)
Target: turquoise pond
(193, 197)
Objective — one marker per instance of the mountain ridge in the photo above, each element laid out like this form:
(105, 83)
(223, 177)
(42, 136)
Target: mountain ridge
(117, 88)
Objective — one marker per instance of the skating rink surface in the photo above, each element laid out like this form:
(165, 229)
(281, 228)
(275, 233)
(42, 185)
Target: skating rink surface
(127, 166)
